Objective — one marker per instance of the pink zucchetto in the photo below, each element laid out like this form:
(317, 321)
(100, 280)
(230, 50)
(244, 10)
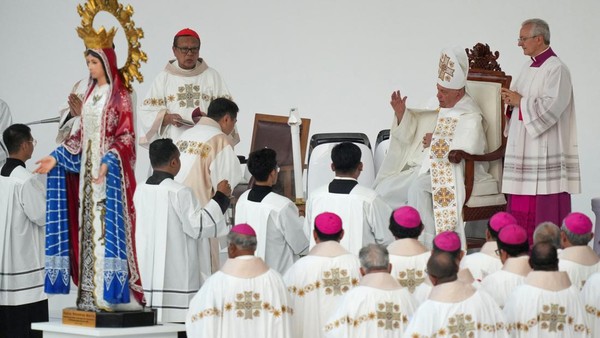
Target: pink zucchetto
(407, 217)
(578, 223)
(328, 223)
(512, 234)
(188, 32)
(244, 229)
(447, 241)
(501, 219)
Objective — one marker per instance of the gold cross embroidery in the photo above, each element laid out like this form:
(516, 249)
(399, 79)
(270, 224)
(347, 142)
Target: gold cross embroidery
(388, 315)
(411, 278)
(248, 304)
(443, 197)
(461, 324)
(336, 281)
(553, 317)
(189, 96)
(446, 70)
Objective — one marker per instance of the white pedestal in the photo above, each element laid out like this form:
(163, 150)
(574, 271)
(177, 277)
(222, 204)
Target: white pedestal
(56, 329)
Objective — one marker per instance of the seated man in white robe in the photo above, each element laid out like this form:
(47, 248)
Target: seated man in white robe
(275, 218)
(486, 261)
(548, 232)
(407, 255)
(317, 282)
(454, 308)
(436, 188)
(513, 247)
(546, 305)
(378, 307)
(22, 220)
(169, 223)
(244, 299)
(577, 258)
(207, 158)
(364, 214)
(591, 300)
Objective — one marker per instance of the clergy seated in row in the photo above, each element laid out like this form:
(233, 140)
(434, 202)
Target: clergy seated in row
(591, 300)
(577, 258)
(548, 232)
(513, 247)
(378, 307)
(23, 206)
(486, 261)
(317, 282)
(275, 218)
(207, 158)
(170, 223)
(364, 214)
(455, 308)
(547, 304)
(407, 255)
(245, 298)
(425, 182)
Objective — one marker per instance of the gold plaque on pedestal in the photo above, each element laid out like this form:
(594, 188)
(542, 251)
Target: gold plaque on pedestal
(72, 316)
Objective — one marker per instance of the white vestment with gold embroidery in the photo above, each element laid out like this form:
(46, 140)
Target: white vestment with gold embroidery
(178, 91)
(409, 262)
(457, 309)
(546, 305)
(244, 299)
(170, 222)
(378, 307)
(579, 262)
(591, 300)
(484, 262)
(316, 284)
(501, 283)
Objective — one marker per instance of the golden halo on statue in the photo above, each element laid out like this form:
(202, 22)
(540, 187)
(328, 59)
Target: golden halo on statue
(131, 68)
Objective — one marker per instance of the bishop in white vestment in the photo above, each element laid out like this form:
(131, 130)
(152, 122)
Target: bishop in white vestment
(513, 247)
(22, 220)
(317, 282)
(170, 222)
(364, 214)
(378, 307)
(577, 259)
(244, 299)
(181, 93)
(547, 304)
(455, 308)
(275, 218)
(591, 300)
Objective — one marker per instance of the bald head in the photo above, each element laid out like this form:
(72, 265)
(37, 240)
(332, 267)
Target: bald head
(543, 257)
(442, 267)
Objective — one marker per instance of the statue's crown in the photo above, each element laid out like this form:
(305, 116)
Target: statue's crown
(96, 39)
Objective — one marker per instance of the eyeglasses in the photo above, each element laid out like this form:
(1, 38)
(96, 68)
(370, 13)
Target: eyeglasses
(497, 251)
(185, 50)
(521, 40)
(34, 142)
(277, 168)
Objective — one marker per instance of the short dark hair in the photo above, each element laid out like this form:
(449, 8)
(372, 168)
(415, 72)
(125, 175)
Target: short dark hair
(442, 265)
(15, 135)
(401, 232)
(220, 107)
(493, 233)
(176, 38)
(261, 163)
(329, 237)
(455, 253)
(345, 157)
(543, 257)
(513, 250)
(162, 152)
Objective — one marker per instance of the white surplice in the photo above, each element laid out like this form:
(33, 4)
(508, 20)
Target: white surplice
(501, 283)
(579, 262)
(591, 300)
(316, 284)
(546, 305)
(244, 299)
(279, 229)
(409, 263)
(169, 223)
(484, 262)
(541, 151)
(364, 214)
(22, 220)
(179, 91)
(5, 122)
(457, 309)
(378, 307)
